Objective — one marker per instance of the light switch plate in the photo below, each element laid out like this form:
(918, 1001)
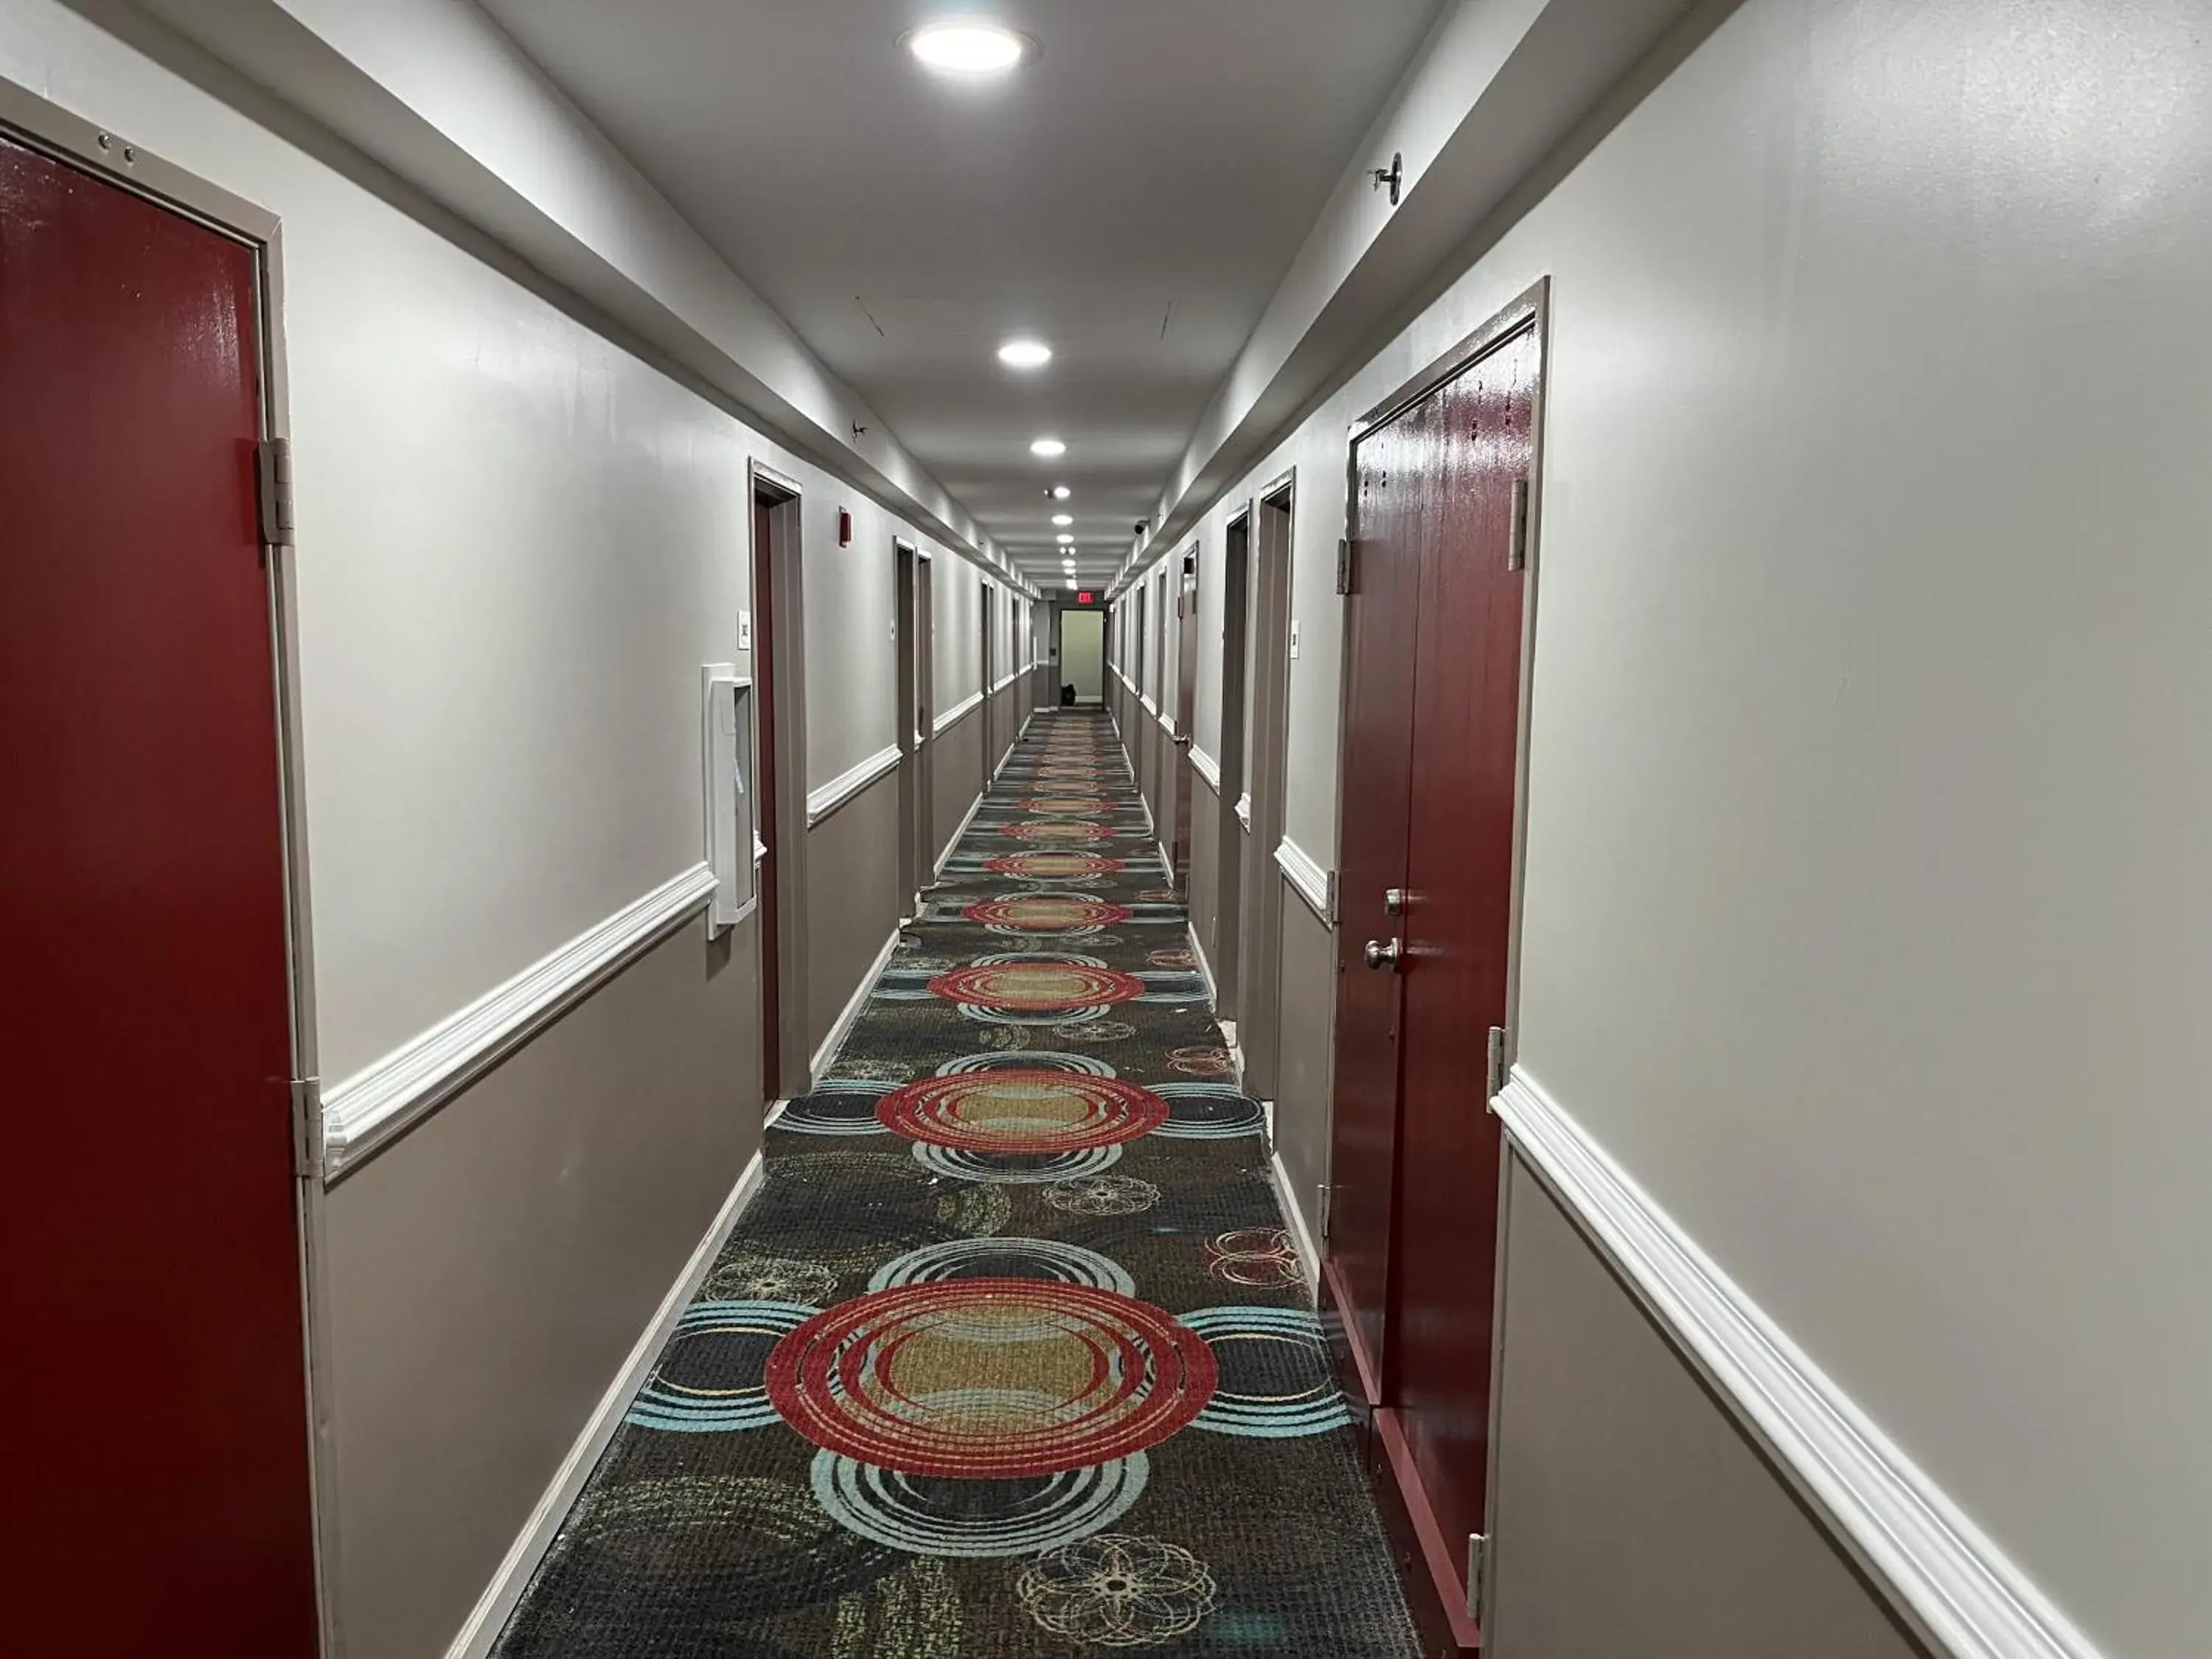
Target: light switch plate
(1294, 639)
(744, 630)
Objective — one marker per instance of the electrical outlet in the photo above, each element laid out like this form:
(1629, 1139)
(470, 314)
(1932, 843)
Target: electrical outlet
(1294, 639)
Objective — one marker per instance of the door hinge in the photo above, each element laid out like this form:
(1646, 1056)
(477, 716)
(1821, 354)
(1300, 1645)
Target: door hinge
(273, 473)
(1344, 555)
(1498, 1062)
(1321, 1221)
(1516, 546)
(1478, 1546)
(307, 1126)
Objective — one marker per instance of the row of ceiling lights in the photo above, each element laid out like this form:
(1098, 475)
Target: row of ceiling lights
(975, 48)
(1029, 354)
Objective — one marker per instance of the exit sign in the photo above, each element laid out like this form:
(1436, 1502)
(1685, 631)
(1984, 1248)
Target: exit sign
(1086, 599)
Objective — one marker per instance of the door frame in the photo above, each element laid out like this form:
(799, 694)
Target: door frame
(1260, 1038)
(1529, 309)
(38, 125)
(1443, 1622)
(1190, 578)
(782, 612)
(1232, 763)
(913, 643)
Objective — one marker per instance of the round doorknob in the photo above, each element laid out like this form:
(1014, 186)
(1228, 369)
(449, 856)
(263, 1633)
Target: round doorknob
(1379, 955)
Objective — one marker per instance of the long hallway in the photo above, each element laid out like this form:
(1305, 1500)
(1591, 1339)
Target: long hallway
(1012, 1350)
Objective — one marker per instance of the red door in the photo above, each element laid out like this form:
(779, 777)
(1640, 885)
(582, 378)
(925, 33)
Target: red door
(768, 823)
(1378, 737)
(1458, 929)
(1432, 746)
(158, 1477)
(1186, 718)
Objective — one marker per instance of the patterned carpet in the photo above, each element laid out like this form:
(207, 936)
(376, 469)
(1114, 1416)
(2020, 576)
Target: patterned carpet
(1009, 1356)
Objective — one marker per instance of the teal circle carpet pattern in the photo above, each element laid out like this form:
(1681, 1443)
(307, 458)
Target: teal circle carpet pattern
(1012, 1355)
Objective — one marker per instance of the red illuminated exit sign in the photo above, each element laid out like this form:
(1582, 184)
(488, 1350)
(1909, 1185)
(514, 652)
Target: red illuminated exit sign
(1086, 599)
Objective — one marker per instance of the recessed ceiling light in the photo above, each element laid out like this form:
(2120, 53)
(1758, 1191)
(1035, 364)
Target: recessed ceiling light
(1065, 541)
(970, 46)
(1063, 518)
(1025, 353)
(1048, 448)
(1061, 492)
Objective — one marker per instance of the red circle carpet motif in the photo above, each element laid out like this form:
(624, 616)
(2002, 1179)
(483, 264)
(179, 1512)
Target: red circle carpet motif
(1046, 913)
(1050, 866)
(1028, 985)
(989, 1379)
(1017, 1110)
(1058, 829)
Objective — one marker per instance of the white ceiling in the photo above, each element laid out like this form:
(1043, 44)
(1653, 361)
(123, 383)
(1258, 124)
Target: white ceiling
(1132, 197)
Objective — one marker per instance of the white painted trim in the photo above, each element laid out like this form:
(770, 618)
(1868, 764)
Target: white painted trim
(1316, 885)
(827, 1052)
(488, 1617)
(1167, 722)
(821, 803)
(361, 1112)
(1167, 864)
(1150, 708)
(1244, 810)
(949, 718)
(1972, 1600)
(1294, 1213)
(1206, 767)
(1008, 681)
(959, 833)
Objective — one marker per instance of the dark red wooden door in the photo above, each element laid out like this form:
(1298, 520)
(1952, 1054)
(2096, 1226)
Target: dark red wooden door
(1377, 756)
(1186, 718)
(1458, 924)
(767, 822)
(159, 1475)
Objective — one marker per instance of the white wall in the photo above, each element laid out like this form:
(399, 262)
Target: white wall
(955, 599)
(1868, 900)
(518, 544)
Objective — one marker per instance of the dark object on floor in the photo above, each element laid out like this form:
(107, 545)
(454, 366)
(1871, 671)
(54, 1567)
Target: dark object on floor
(1067, 696)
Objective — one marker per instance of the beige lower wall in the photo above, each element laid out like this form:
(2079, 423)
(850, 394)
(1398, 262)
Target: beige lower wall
(852, 898)
(1304, 1050)
(1632, 1514)
(1010, 707)
(956, 776)
(486, 1274)
(1207, 817)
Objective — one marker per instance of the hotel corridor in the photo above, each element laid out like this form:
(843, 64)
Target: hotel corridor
(1012, 1349)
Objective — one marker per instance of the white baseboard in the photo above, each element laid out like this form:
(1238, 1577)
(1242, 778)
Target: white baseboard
(1294, 1213)
(489, 1615)
(1971, 1600)
(826, 1054)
